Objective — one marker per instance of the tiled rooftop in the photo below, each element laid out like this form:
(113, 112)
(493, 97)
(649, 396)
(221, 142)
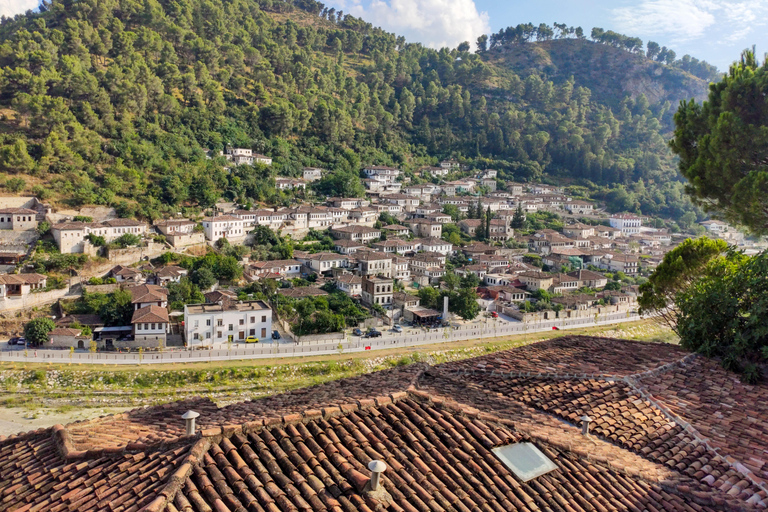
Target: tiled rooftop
(576, 355)
(308, 449)
(731, 416)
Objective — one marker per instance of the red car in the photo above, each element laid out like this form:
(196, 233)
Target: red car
(494, 314)
(555, 328)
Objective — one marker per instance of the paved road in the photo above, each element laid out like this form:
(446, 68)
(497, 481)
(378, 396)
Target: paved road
(410, 337)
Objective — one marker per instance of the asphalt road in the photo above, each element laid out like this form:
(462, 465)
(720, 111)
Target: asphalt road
(410, 337)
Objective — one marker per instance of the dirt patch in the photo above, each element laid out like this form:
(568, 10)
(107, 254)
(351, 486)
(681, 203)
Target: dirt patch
(14, 420)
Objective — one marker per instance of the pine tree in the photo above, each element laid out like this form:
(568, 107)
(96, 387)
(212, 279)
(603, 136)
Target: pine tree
(518, 221)
(488, 223)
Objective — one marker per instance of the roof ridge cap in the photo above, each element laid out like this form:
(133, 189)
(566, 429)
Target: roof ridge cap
(65, 444)
(306, 415)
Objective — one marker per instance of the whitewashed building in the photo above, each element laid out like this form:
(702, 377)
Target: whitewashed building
(212, 325)
(223, 226)
(626, 222)
(312, 173)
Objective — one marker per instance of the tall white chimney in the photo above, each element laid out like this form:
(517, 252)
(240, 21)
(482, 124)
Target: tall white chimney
(189, 418)
(377, 467)
(445, 308)
(585, 421)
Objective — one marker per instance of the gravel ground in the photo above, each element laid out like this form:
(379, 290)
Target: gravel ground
(14, 420)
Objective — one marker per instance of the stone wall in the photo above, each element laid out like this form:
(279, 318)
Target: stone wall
(141, 340)
(31, 300)
(69, 341)
(131, 255)
(101, 288)
(185, 240)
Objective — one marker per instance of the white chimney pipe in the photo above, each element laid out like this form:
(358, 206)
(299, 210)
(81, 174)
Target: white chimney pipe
(189, 418)
(377, 467)
(585, 420)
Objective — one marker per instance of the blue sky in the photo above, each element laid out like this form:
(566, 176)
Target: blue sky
(714, 30)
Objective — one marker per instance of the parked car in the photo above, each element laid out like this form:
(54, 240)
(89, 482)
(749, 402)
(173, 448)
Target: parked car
(275, 335)
(373, 333)
(494, 314)
(357, 332)
(397, 328)
(251, 339)
(14, 341)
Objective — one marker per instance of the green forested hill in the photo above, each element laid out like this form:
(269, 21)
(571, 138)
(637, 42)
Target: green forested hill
(610, 73)
(114, 101)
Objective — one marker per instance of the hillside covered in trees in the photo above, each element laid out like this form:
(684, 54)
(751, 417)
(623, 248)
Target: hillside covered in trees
(114, 102)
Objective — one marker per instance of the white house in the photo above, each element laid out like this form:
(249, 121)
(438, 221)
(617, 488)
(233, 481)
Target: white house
(238, 156)
(262, 159)
(283, 268)
(150, 326)
(350, 284)
(213, 325)
(356, 233)
(223, 226)
(579, 207)
(20, 285)
(170, 274)
(70, 236)
(289, 183)
(626, 222)
(312, 173)
(180, 232)
(325, 261)
(451, 165)
(18, 219)
(437, 245)
(382, 173)
(145, 295)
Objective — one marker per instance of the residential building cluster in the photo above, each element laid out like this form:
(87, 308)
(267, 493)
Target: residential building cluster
(370, 260)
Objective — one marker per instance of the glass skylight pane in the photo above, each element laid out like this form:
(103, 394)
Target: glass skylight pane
(524, 460)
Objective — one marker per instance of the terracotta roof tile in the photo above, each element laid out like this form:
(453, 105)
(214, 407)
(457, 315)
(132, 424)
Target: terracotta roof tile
(308, 449)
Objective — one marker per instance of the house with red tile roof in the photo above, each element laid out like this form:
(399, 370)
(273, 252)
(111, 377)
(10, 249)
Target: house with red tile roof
(20, 285)
(145, 295)
(601, 425)
(150, 326)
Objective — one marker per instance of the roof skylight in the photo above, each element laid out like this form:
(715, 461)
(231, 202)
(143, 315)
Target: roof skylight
(525, 460)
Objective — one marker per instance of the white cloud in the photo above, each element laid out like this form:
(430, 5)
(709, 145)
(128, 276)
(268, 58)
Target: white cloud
(13, 7)
(681, 21)
(434, 23)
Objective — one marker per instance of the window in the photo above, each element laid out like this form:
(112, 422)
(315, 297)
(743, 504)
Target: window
(208, 335)
(208, 322)
(252, 332)
(253, 319)
(196, 336)
(242, 321)
(219, 322)
(264, 318)
(153, 326)
(197, 323)
(231, 327)
(218, 334)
